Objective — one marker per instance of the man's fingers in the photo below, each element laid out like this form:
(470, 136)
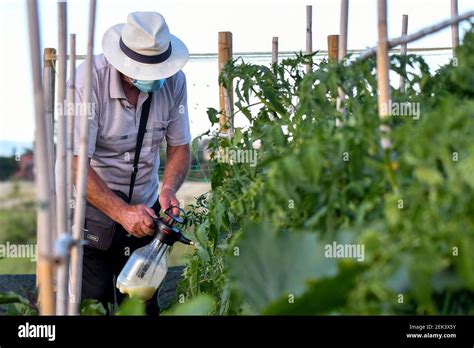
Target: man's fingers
(147, 230)
(175, 204)
(148, 227)
(168, 200)
(147, 221)
(175, 211)
(137, 234)
(150, 211)
(163, 202)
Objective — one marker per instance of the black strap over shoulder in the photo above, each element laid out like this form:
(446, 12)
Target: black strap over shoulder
(138, 147)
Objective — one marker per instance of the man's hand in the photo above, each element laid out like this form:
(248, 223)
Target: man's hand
(167, 199)
(177, 165)
(136, 219)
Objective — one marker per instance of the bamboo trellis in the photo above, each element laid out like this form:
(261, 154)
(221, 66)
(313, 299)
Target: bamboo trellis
(55, 245)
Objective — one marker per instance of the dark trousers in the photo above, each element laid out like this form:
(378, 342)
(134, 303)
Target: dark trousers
(100, 269)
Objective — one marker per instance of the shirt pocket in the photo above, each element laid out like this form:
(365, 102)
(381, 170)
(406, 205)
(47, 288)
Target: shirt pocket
(151, 143)
(159, 133)
(117, 146)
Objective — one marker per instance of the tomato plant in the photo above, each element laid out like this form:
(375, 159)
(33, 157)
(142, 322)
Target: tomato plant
(322, 177)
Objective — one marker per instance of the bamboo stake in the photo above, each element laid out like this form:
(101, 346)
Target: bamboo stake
(48, 91)
(61, 179)
(309, 33)
(81, 180)
(71, 97)
(342, 46)
(48, 88)
(333, 47)
(403, 49)
(382, 61)
(43, 173)
(343, 29)
(65, 241)
(455, 26)
(419, 34)
(333, 54)
(225, 96)
(275, 50)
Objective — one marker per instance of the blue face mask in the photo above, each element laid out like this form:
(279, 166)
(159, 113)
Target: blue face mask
(148, 86)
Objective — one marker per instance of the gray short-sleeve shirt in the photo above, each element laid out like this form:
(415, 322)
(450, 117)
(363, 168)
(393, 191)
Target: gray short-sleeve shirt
(113, 128)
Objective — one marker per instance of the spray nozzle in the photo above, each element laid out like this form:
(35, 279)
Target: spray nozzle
(185, 240)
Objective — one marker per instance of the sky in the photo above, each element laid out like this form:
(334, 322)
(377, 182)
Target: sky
(252, 22)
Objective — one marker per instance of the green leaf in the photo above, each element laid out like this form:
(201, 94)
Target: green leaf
(273, 103)
(199, 305)
(19, 309)
(245, 110)
(131, 306)
(322, 296)
(91, 307)
(466, 168)
(11, 297)
(16, 304)
(237, 136)
(213, 115)
(465, 261)
(271, 263)
(429, 176)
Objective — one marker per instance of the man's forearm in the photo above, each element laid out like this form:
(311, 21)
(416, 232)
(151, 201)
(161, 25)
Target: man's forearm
(177, 166)
(101, 196)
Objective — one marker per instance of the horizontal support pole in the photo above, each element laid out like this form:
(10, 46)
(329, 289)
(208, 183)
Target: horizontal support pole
(286, 53)
(419, 34)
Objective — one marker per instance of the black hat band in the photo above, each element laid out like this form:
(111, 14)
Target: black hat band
(159, 58)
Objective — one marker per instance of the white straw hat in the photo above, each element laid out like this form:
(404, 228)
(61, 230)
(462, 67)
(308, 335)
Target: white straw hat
(143, 48)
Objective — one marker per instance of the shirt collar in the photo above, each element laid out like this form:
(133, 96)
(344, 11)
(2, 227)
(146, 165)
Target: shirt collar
(115, 84)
